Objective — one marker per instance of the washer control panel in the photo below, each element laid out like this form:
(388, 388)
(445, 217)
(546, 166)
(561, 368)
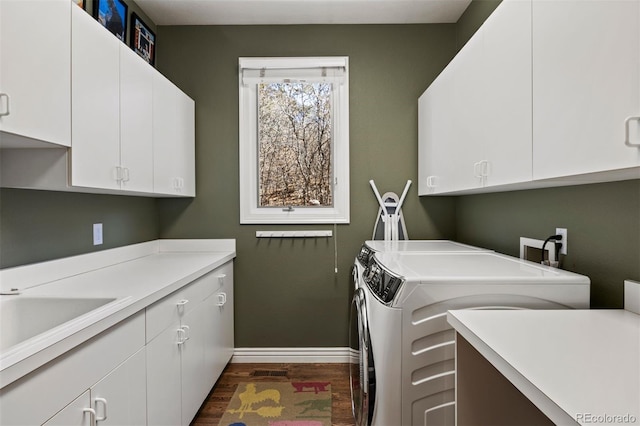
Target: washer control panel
(382, 284)
(365, 256)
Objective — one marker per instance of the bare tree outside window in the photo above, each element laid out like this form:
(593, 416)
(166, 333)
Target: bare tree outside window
(294, 145)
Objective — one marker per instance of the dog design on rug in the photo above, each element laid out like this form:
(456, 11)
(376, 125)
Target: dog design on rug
(250, 397)
(315, 404)
(312, 386)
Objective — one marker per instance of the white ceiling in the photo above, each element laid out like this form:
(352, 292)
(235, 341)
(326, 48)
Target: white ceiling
(289, 12)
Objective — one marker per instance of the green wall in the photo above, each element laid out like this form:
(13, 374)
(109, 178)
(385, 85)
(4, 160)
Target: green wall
(474, 15)
(286, 291)
(42, 225)
(603, 224)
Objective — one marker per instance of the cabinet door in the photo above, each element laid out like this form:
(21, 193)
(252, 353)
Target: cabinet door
(74, 414)
(507, 94)
(163, 379)
(465, 149)
(219, 352)
(585, 84)
(95, 89)
(35, 69)
(435, 114)
(121, 397)
(173, 139)
(196, 384)
(136, 121)
(186, 134)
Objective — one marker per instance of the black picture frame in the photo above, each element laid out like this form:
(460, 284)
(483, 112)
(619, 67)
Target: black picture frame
(112, 14)
(142, 39)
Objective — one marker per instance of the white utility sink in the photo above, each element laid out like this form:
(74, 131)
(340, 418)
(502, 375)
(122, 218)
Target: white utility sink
(22, 318)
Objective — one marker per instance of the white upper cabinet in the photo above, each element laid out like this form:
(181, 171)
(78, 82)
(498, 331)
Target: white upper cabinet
(112, 91)
(475, 119)
(546, 93)
(35, 100)
(136, 122)
(506, 104)
(124, 128)
(173, 139)
(95, 154)
(586, 75)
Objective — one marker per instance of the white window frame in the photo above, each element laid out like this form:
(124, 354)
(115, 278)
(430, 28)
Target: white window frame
(250, 212)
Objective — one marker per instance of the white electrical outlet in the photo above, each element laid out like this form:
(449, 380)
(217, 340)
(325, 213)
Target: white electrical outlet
(97, 234)
(563, 232)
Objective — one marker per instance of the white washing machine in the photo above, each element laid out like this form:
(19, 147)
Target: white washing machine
(406, 373)
(363, 385)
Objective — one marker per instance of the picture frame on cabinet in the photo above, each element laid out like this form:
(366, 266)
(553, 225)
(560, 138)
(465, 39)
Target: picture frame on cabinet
(112, 14)
(142, 39)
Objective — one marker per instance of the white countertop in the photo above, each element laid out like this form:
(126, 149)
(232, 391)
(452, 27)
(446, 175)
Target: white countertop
(136, 276)
(576, 366)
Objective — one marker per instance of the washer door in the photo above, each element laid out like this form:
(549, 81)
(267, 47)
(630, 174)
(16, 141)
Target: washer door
(361, 368)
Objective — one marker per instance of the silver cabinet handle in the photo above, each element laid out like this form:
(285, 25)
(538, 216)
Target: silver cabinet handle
(180, 305)
(486, 168)
(482, 170)
(477, 170)
(431, 182)
(6, 111)
(183, 335)
(222, 299)
(92, 415)
(221, 278)
(104, 409)
(627, 123)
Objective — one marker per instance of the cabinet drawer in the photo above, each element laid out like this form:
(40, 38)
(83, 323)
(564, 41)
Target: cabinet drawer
(164, 312)
(170, 310)
(208, 284)
(36, 397)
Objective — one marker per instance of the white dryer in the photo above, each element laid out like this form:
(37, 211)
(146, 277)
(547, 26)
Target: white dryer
(405, 339)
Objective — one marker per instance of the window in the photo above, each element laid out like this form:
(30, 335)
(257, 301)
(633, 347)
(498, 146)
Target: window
(294, 140)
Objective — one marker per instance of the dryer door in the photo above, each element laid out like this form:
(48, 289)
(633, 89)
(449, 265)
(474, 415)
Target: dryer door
(361, 368)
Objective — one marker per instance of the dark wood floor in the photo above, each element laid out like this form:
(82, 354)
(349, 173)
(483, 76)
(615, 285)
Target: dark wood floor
(338, 374)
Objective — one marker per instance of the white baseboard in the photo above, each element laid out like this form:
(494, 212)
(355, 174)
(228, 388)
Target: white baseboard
(293, 355)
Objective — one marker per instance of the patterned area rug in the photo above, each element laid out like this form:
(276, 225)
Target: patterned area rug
(279, 404)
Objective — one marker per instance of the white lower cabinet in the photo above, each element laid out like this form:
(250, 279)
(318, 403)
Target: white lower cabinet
(221, 344)
(109, 366)
(185, 359)
(154, 368)
(196, 383)
(118, 399)
(163, 379)
(78, 413)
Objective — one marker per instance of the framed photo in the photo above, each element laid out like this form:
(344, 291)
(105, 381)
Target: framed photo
(81, 3)
(142, 39)
(113, 15)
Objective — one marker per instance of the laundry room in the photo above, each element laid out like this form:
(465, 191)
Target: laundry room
(292, 279)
